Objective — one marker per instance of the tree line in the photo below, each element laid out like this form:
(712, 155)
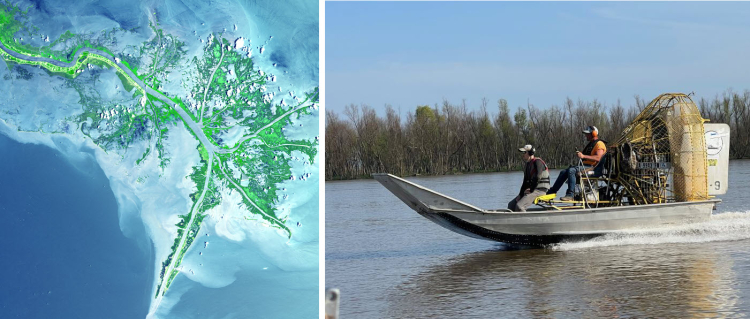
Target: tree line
(446, 138)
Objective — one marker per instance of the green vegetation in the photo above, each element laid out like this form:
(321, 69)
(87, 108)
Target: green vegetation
(231, 93)
(138, 162)
(227, 99)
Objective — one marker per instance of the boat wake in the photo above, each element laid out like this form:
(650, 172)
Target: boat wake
(728, 226)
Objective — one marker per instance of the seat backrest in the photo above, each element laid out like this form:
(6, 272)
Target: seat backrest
(602, 168)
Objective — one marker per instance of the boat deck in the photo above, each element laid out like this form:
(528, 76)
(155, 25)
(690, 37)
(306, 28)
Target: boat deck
(540, 226)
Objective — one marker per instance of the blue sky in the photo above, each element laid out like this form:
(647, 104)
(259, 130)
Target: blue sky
(416, 53)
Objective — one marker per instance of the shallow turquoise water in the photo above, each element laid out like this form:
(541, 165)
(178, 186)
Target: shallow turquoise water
(287, 288)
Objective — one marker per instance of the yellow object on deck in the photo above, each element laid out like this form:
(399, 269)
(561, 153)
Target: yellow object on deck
(545, 198)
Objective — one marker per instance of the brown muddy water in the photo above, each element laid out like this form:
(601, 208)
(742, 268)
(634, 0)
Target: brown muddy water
(389, 262)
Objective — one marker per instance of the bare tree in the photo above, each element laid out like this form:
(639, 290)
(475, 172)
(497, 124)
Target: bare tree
(449, 139)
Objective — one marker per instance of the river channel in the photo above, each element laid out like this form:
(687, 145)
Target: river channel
(389, 262)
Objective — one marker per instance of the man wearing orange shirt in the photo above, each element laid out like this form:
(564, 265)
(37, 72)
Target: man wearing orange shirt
(590, 156)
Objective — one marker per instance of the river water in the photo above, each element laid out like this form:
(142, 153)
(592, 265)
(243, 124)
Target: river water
(389, 262)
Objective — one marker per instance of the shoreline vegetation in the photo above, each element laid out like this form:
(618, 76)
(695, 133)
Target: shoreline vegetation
(448, 139)
(224, 91)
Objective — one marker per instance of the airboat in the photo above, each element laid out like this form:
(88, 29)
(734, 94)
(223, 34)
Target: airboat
(665, 169)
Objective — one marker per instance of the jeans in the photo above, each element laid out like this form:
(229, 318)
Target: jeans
(567, 175)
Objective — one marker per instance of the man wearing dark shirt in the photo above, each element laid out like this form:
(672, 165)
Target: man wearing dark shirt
(535, 181)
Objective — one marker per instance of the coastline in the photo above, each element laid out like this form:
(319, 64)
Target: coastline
(144, 202)
(156, 196)
(84, 236)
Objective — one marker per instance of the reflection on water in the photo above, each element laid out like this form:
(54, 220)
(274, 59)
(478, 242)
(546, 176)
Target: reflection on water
(544, 283)
(390, 262)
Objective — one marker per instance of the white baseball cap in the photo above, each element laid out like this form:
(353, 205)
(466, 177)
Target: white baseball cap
(527, 148)
(590, 129)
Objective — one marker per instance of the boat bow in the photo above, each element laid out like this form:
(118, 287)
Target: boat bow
(422, 199)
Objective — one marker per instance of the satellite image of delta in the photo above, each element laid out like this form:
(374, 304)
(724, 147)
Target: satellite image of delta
(159, 159)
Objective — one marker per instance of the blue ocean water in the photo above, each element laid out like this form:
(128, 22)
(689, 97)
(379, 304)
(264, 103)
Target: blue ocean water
(64, 255)
(101, 273)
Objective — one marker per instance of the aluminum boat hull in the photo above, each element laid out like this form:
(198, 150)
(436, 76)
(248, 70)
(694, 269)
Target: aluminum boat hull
(540, 227)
